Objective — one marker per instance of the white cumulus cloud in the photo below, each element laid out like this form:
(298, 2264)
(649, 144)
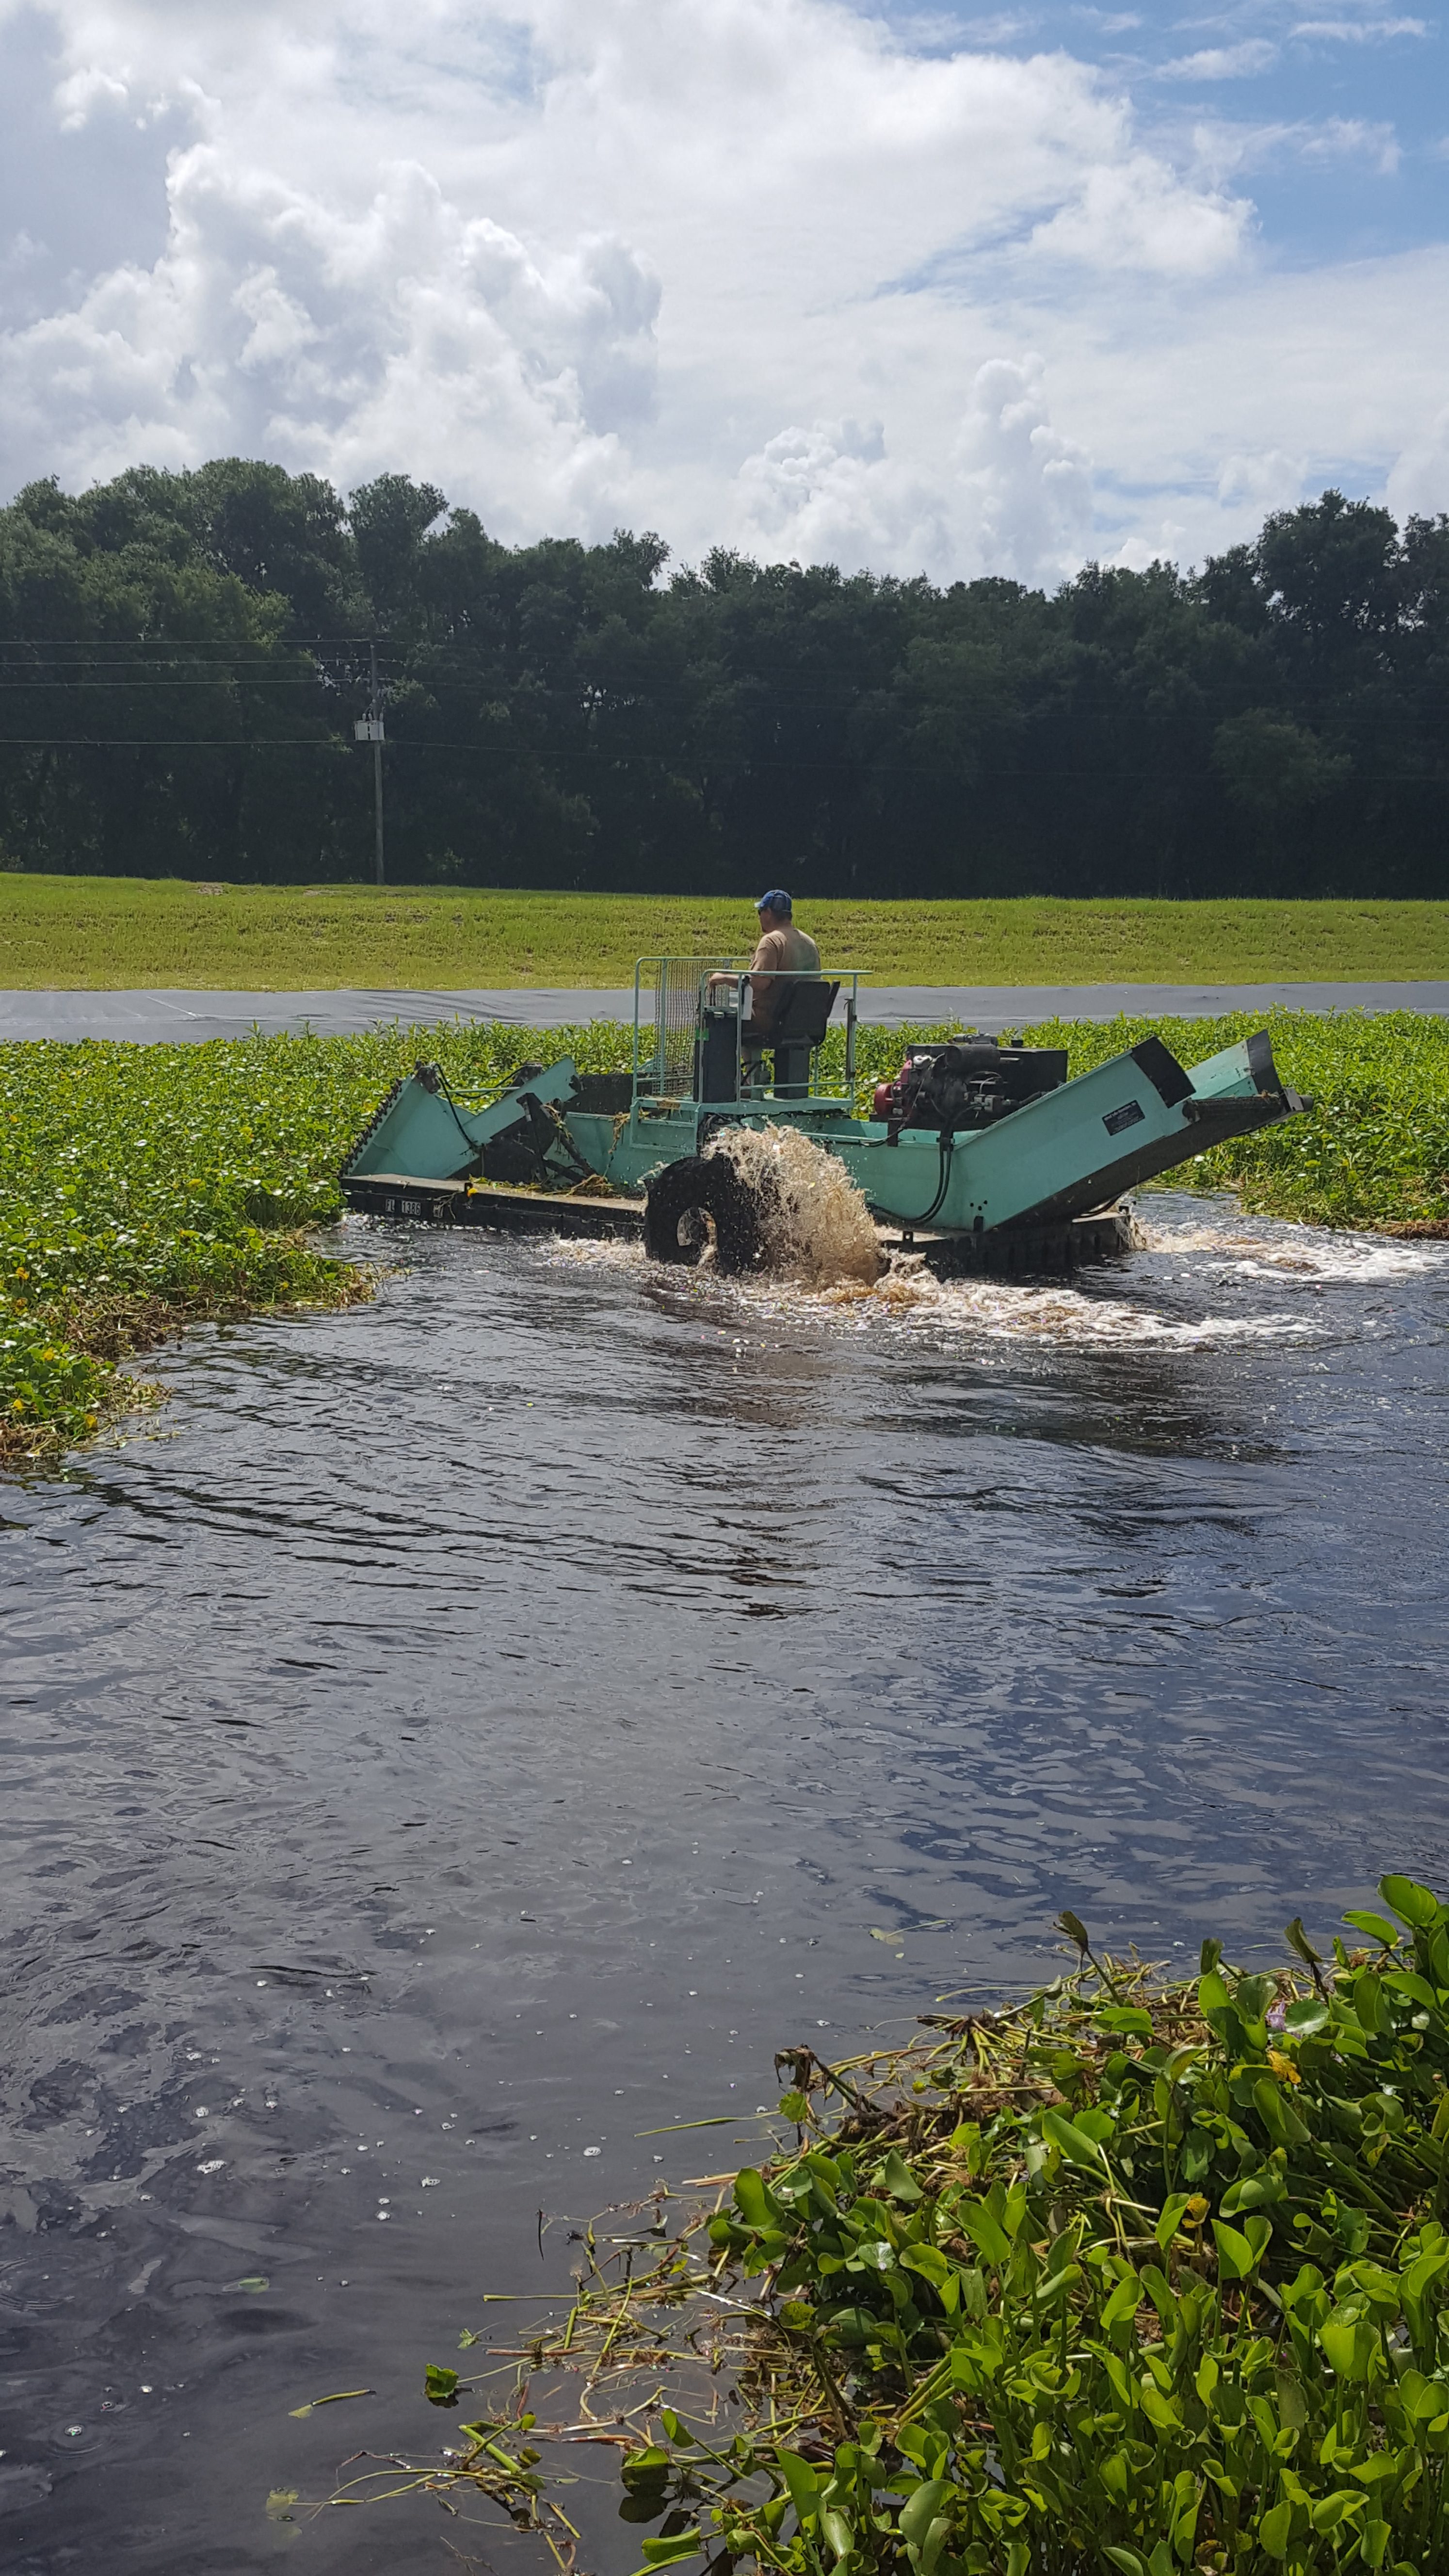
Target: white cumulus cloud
(762, 272)
(1029, 488)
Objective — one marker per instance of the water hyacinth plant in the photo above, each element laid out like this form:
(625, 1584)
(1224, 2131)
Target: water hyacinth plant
(1134, 2276)
(145, 1186)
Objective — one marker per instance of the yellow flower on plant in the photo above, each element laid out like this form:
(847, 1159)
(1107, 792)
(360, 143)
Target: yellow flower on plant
(1283, 2067)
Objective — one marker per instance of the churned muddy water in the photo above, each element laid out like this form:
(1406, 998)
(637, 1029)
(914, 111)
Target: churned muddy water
(463, 1736)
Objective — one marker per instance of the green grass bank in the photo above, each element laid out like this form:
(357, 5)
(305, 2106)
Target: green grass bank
(111, 933)
(145, 1187)
(1132, 2278)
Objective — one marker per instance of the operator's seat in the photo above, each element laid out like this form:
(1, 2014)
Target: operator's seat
(802, 1014)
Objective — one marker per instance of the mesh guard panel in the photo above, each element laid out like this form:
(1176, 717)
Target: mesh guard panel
(669, 1070)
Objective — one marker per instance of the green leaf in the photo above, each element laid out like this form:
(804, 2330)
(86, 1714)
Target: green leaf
(1298, 1940)
(1123, 2304)
(646, 2469)
(803, 2484)
(756, 2206)
(1412, 1903)
(1075, 1930)
(1235, 2254)
(1277, 2114)
(1275, 2527)
(1073, 2142)
(440, 2386)
(1127, 2021)
(1254, 2191)
(900, 2182)
(1347, 2343)
(985, 2230)
(1306, 2016)
(794, 2106)
(667, 2552)
(1171, 2219)
(874, 2254)
(1292, 2403)
(854, 2325)
(921, 2508)
(1126, 2560)
(1159, 2410)
(929, 2261)
(1331, 2510)
(1375, 1926)
(838, 2532)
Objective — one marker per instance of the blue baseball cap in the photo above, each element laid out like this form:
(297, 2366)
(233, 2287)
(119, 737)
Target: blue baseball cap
(776, 900)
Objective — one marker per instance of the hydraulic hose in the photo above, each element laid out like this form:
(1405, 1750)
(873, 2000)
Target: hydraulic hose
(948, 1148)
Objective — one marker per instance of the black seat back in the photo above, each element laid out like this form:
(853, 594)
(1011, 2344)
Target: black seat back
(801, 1015)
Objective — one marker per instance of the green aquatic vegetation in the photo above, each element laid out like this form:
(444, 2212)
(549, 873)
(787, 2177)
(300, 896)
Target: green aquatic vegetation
(143, 1187)
(1133, 2276)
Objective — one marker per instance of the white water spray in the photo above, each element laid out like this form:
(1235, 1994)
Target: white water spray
(818, 1228)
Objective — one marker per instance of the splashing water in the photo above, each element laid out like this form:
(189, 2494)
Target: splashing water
(818, 1229)
(1196, 1261)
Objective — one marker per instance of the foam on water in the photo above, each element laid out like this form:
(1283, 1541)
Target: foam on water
(828, 1270)
(1011, 1310)
(1309, 1251)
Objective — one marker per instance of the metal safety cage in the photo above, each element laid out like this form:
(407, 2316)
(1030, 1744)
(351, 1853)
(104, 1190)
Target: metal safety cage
(668, 998)
(671, 995)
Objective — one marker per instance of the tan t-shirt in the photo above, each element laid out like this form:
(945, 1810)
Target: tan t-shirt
(787, 951)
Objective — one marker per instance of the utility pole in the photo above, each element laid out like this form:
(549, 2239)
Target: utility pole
(369, 728)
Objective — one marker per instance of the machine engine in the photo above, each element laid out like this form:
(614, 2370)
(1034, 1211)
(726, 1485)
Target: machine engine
(966, 1082)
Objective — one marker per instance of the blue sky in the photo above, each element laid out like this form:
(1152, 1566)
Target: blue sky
(896, 287)
(1341, 116)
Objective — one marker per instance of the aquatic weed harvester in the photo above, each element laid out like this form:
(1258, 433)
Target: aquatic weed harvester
(982, 1156)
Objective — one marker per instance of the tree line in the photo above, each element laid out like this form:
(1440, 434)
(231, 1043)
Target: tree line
(184, 657)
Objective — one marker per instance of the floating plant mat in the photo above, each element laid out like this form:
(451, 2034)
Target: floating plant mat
(1134, 2275)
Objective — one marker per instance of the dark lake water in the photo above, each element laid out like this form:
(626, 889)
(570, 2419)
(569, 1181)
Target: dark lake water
(464, 1734)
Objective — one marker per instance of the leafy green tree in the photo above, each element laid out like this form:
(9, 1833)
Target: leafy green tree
(184, 654)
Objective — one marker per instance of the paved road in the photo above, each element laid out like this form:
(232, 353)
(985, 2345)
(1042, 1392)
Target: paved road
(152, 1016)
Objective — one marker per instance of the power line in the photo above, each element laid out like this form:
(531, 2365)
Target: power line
(547, 755)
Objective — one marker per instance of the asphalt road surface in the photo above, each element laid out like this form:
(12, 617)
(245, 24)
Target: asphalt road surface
(150, 1017)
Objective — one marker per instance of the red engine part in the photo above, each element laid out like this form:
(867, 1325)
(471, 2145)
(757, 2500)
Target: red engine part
(883, 1102)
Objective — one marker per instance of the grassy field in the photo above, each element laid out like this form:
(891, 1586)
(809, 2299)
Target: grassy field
(142, 1188)
(110, 933)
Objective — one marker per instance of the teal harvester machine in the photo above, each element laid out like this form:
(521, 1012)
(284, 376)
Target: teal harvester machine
(983, 1155)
